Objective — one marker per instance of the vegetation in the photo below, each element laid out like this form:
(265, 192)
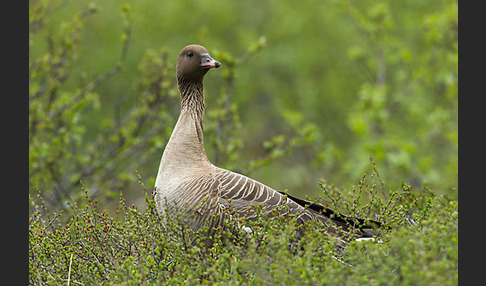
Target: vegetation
(135, 248)
(308, 91)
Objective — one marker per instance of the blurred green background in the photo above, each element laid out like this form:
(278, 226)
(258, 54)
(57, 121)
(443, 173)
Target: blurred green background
(316, 87)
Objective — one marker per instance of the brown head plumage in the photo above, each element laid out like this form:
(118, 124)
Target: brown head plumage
(194, 62)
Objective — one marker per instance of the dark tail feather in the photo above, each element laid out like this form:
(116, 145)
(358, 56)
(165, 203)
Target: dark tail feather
(366, 227)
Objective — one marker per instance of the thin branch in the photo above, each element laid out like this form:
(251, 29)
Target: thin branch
(69, 272)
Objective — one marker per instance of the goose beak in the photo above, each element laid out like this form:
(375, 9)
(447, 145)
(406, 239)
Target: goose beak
(208, 62)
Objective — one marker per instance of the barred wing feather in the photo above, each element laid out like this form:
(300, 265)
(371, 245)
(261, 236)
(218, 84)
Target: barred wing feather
(240, 193)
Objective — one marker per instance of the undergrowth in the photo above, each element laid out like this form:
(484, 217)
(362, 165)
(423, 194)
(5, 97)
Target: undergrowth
(83, 245)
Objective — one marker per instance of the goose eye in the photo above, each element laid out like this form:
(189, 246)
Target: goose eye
(190, 54)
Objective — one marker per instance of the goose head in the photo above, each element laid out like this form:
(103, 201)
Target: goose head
(194, 62)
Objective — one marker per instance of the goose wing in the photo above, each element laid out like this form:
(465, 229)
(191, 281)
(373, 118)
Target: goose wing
(243, 194)
(240, 193)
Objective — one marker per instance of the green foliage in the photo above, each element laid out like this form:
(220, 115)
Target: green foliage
(84, 245)
(406, 113)
(322, 92)
(313, 89)
(59, 155)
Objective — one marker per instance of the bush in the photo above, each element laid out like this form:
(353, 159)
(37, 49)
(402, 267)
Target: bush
(84, 245)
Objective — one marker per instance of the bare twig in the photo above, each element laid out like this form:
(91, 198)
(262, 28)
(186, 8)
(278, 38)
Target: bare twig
(343, 262)
(69, 272)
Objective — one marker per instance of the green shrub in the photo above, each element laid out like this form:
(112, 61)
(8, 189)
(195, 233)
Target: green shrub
(84, 245)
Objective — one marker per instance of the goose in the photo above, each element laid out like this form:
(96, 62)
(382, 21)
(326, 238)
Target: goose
(188, 181)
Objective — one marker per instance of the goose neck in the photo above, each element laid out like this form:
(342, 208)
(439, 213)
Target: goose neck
(192, 98)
